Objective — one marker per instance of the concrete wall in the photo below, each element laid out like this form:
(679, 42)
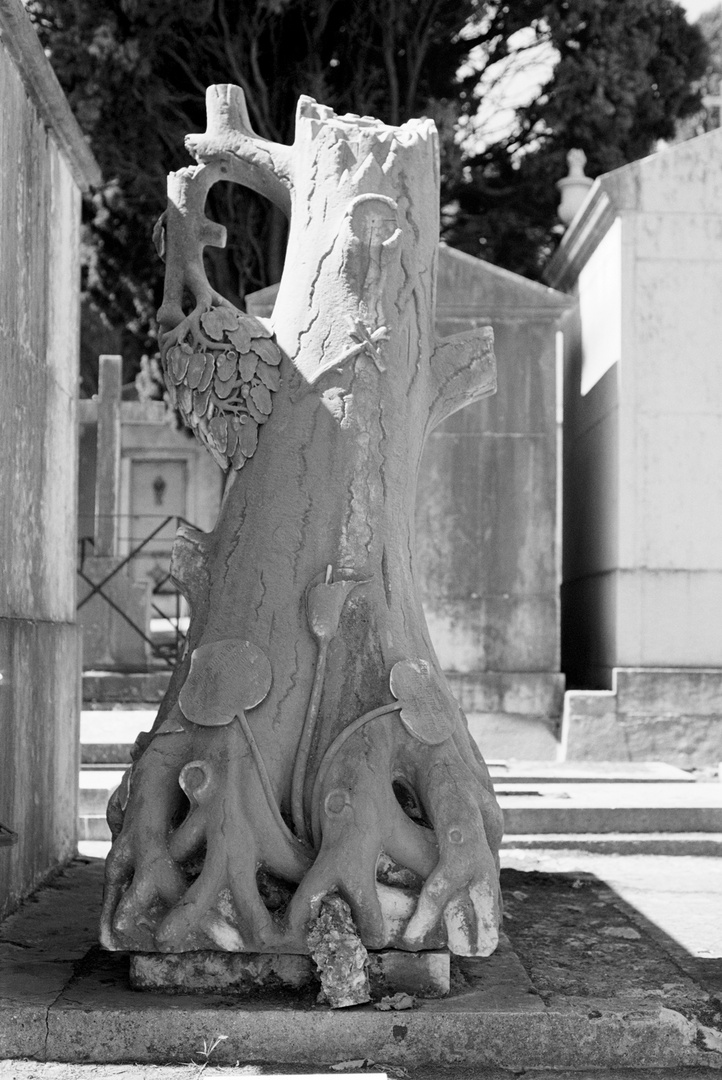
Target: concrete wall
(487, 543)
(39, 269)
(643, 449)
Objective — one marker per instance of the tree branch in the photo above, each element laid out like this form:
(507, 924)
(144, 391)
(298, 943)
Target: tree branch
(245, 158)
(463, 369)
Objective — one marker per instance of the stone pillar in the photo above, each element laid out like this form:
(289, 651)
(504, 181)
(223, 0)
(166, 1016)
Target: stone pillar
(107, 476)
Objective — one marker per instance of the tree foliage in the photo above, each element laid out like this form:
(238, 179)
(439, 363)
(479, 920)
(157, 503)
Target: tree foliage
(135, 72)
(623, 78)
(710, 84)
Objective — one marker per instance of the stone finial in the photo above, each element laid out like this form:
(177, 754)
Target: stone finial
(573, 187)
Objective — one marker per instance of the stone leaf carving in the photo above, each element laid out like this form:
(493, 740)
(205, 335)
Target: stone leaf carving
(424, 705)
(226, 678)
(222, 377)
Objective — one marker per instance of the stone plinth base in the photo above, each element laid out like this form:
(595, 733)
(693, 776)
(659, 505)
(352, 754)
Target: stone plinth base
(424, 974)
(214, 972)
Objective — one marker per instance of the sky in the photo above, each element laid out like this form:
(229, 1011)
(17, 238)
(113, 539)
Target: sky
(695, 8)
(515, 82)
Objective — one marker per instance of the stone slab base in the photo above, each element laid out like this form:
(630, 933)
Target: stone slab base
(579, 985)
(663, 714)
(205, 972)
(425, 974)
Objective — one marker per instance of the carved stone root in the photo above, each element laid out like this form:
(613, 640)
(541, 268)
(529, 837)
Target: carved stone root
(308, 746)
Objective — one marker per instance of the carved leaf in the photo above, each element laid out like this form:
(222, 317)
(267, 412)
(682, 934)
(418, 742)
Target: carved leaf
(247, 366)
(241, 338)
(426, 710)
(179, 357)
(218, 428)
(324, 604)
(223, 389)
(196, 367)
(200, 401)
(239, 458)
(226, 366)
(225, 678)
(248, 438)
(219, 319)
(234, 427)
(207, 375)
(185, 398)
(260, 329)
(269, 376)
(268, 351)
(261, 398)
(257, 415)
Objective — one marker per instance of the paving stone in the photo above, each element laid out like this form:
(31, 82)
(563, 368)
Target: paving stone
(560, 994)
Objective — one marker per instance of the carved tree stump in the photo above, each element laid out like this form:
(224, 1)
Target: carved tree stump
(308, 744)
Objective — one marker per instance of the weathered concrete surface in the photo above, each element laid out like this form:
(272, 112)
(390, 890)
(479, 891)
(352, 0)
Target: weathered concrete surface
(486, 523)
(45, 164)
(39, 758)
(669, 714)
(584, 983)
(642, 453)
(205, 971)
(359, 1069)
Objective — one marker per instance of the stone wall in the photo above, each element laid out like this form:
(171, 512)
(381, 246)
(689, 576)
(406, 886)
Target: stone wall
(44, 164)
(487, 522)
(643, 413)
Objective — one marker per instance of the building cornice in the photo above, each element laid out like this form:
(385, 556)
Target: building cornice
(593, 221)
(19, 38)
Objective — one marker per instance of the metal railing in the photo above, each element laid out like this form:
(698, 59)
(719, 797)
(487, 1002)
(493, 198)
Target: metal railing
(166, 645)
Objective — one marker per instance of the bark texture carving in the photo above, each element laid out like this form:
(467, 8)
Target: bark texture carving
(308, 745)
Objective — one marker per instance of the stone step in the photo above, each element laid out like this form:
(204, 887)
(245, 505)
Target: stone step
(107, 735)
(700, 844)
(124, 688)
(586, 772)
(538, 809)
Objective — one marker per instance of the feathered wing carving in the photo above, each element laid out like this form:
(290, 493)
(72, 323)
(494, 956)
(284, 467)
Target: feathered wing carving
(223, 382)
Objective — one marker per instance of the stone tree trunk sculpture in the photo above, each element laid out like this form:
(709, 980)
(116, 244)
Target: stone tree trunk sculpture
(308, 745)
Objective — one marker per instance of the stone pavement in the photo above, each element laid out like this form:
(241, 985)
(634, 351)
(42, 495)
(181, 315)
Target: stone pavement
(611, 965)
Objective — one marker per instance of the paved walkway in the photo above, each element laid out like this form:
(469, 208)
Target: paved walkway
(614, 963)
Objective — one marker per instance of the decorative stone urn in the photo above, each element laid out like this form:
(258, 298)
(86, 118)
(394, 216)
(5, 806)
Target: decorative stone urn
(574, 187)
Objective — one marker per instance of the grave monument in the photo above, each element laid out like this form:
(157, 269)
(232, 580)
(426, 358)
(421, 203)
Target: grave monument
(309, 776)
